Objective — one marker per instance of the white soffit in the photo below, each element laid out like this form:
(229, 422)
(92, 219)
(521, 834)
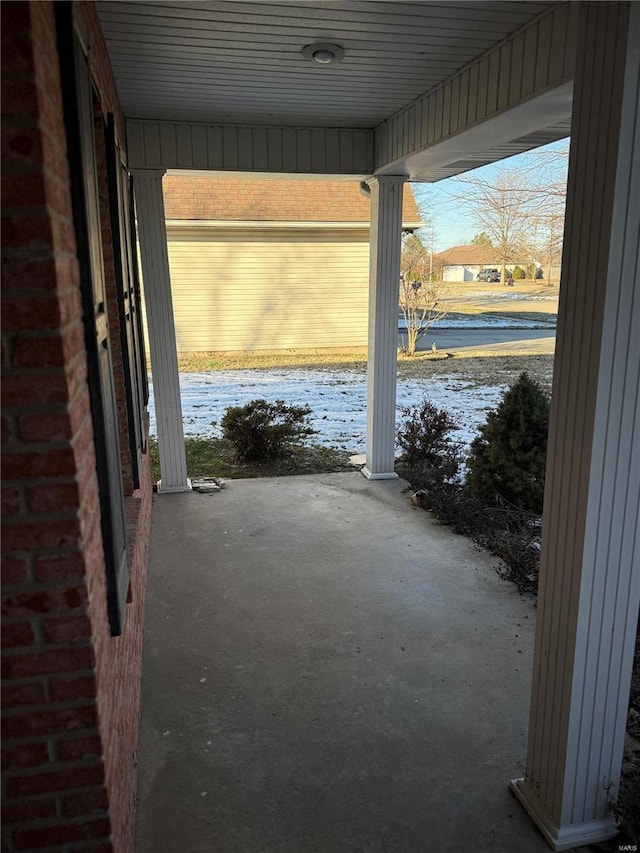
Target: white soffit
(241, 62)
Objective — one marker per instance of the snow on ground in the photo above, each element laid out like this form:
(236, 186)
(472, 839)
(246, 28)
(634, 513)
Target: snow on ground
(484, 321)
(337, 400)
(538, 297)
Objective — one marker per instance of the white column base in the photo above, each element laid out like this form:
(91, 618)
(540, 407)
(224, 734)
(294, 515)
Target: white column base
(378, 475)
(561, 837)
(167, 490)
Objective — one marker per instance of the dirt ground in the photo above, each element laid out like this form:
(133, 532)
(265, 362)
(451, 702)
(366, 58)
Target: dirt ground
(483, 369)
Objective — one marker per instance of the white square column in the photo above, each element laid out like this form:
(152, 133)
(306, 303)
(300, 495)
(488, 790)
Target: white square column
(384, 283)
(590, 569)
(161, 325)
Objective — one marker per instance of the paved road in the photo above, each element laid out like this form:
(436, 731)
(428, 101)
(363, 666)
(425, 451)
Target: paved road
(447, 339)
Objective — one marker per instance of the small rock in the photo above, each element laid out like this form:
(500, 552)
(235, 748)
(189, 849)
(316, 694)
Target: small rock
(420, 499)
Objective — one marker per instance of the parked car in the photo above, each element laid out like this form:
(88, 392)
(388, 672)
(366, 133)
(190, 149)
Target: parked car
(489, 275)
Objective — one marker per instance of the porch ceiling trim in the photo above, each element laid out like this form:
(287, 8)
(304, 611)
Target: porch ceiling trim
(303, 150)
(527, 66)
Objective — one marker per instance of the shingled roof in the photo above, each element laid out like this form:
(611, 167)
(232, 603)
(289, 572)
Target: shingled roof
(466, 255)
(193, 197)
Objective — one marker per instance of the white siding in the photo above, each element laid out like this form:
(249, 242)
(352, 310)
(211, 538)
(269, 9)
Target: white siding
(266, 289)
(533, 61)
(291, 150)
(590, 565)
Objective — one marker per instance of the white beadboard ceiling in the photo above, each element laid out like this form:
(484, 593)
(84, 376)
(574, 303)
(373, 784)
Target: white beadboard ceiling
(241, 62)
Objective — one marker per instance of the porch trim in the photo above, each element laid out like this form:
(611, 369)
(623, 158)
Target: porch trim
(531, 62)
(384, 279)
(162, 332)
(289, 150)
(561, 837)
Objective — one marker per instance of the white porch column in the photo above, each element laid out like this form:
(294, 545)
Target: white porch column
(162, 334)
(384, 283)
(590, 573)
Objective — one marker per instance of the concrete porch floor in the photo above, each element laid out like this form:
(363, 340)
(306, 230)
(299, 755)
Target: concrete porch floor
(327, 670)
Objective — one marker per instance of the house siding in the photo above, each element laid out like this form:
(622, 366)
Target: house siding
(284, 264)
(70, 691)
(262, 291)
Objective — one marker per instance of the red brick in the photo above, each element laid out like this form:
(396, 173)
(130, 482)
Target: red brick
(14, 570)
(23, 189)
(50, 722)
(37, 352)
(53, 498)
(7, 423)
(28, 811)
(38, 601)
(70, 689)
(19, 98)
(83, 776)
(17, 634)
(61, 533)
(34, 839)
(31, 231)
(16, 695)
(41, 427)
(46, 663)
(79, 748)
(47, 463)
(59, 567)
(79, 411)
(33, 390)
(25, 755)
(26, 275)
(74, 630)
(10, 501)
(21, 145)
(85, 802)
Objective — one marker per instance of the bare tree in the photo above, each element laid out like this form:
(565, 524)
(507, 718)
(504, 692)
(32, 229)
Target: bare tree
(513, 206)
(420, 297)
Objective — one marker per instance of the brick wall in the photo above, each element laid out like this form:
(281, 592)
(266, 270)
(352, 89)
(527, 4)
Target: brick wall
(70, 691)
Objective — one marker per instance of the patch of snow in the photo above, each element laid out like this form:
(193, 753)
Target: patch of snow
(337, 400)
(491, 294)
(494, 321)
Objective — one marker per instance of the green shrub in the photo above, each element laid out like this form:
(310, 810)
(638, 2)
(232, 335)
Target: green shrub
(262, 430)
(430, 455)
(507, 460)
(519, 273)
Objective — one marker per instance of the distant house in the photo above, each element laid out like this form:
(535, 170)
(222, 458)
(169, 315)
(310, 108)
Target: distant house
(463, 263)
(269, 263)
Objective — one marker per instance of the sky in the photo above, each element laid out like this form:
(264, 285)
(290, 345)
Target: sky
(452, 227)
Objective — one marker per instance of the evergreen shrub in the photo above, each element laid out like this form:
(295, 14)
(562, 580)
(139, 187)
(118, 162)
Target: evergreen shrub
(260, 430)
(507, 459)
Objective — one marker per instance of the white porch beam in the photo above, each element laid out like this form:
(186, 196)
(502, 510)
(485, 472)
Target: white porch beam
(515, 96)
(162, 334)
(384, 278)
(590, 571)
(251, 149)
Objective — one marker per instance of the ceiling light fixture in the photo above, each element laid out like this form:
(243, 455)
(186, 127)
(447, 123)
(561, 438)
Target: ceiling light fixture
(323, 53)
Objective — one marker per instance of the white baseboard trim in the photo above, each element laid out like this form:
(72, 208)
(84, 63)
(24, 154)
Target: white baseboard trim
(167, 490)
(391, 475)
(561, 837)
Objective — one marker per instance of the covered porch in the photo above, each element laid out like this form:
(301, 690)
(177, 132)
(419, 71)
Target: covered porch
(421, 92)
(327, 669)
